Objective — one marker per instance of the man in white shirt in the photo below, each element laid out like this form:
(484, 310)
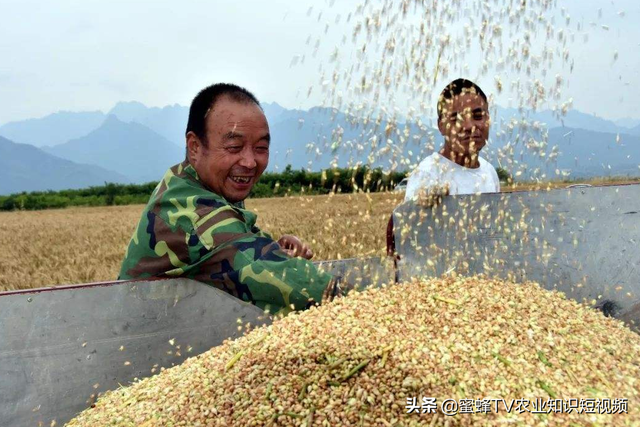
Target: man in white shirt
(463, 121)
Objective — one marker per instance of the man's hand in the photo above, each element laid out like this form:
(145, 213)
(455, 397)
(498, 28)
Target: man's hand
(332, 291)
(294, 247)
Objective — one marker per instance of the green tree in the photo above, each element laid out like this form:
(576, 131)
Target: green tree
(504, 175)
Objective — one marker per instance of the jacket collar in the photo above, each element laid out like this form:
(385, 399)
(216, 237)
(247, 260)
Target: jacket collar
(188, 169)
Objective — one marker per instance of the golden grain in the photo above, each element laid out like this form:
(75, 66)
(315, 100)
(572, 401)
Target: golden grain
(355, 361)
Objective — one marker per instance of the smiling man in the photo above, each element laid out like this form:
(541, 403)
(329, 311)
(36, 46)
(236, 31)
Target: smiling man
(463, 121)
(195, 224)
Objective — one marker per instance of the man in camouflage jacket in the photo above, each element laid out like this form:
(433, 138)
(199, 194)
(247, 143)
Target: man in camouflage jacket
(195, 224)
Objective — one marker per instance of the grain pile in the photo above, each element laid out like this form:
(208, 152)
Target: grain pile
(355, 362)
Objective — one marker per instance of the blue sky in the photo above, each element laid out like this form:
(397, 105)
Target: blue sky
(88, 55)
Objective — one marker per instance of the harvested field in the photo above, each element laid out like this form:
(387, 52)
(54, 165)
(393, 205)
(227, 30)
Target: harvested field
(79, 245)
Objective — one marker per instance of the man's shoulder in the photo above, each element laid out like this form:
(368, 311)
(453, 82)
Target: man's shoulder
(431, 159)
(425, 174)
(427, 163)
(181, 200)
(181, 224)
(486, 165)
(180, 182)
(490, 173)
(432, 165)
(484, 162)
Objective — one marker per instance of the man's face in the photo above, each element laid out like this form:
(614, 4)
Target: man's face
(237, 151)
(465, 123)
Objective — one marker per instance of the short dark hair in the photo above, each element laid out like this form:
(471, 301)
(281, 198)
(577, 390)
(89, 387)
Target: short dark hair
(457, 87)
(206, 99)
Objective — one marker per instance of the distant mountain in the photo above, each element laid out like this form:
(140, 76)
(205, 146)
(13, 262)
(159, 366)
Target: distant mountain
(141, 142)
(628, 122)
(52, 129)
(24, 167)
(303, 139)
(169, 121)
(587, 153)
(273, 111)
(131, 111)
(573, 119)
(582, 153)
(321, 137)
(587, 143)
(130, 149)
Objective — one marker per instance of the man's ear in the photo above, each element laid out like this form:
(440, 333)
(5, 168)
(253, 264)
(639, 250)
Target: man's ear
(194, 146)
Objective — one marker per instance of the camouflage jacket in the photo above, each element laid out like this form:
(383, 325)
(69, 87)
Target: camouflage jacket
(188, 231)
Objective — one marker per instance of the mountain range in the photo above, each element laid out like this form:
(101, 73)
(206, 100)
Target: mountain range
(53, 129)
(130, 149)
(135, 143)
(576, 120)
(24, 167)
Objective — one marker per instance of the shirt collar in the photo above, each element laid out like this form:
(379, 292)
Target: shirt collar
(190, 170)
(453, 165)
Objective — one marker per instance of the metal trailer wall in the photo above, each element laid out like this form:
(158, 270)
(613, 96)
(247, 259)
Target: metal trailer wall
(584, 242)
(60, 346)
(56, 345)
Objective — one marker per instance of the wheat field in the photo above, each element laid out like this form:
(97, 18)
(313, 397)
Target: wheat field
(80, 245)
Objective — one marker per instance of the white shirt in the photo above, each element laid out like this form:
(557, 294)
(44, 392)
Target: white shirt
(438, 170)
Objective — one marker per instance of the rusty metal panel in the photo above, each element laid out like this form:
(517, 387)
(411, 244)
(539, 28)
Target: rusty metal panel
(582, 241)
(60, 347)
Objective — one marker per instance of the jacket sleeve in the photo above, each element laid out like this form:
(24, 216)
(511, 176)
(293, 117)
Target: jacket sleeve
(250, 264)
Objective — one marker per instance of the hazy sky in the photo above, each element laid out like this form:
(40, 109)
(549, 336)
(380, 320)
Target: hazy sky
(88, 55)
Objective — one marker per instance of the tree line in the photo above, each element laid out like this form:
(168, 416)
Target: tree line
(271, 184)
